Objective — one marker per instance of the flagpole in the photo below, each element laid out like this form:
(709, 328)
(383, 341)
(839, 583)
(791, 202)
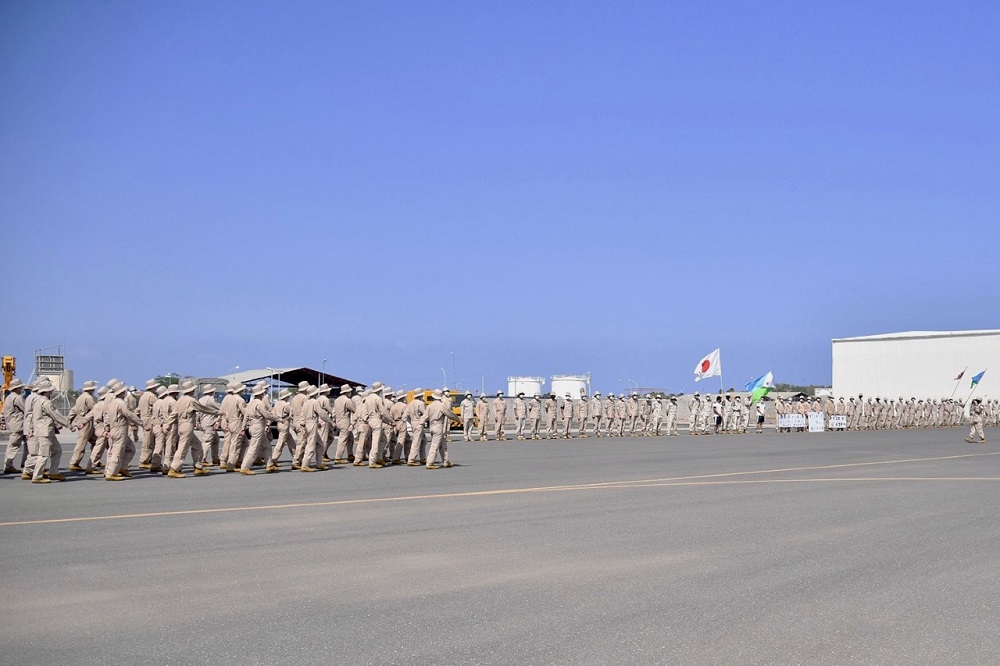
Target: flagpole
(958, 381)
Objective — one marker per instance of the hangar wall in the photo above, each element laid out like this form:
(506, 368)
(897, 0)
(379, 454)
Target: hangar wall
(921, 364)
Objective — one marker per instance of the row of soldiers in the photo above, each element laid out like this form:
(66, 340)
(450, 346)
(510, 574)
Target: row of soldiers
(886, 413)
(373, 427)
(550, 417)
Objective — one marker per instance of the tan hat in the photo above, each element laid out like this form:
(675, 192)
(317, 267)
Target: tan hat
(325, 388)
(311, 391)
(173, 388)
(345, 389)
(418, 391)
(89, 385)
(121, 388)
(234, 387)
(208, 389)
(15, 384)
(112, 382)
(151, 384)
(303, 385)
(188, 386)
(285, 393)
(103, 391)
(376, 387)
(259, 390)
(44, 388)
(499, 393)
(160, 391)
(437, 395)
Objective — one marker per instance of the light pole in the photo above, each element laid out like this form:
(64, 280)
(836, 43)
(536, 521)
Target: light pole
(270, 382)
(444, 378)
(454, 374)
(322, 376)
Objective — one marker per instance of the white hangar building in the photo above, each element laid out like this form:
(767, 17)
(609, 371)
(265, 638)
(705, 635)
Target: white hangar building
(917, 364)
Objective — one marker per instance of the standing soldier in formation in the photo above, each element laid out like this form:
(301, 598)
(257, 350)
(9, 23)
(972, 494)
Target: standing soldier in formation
(325, 427)
(551, 415)
(694, 410)
(705, 418)
(85, 431)
(13, 418)
(609, 414)
(401, 450)
(520, 414)
(632, 412)
(483, 414)
(671, 418)
(621, 414)
(313, 415)
(534, 415)
(378, 416)
(500, 416)
(596, 410)
(566, 414)
(656, 416)
(295, 406)
(468, 407)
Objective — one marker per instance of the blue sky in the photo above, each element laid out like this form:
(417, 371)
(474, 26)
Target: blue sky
(540, 188)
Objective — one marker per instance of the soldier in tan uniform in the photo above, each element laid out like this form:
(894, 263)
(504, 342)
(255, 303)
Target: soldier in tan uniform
(363, 439)
(209, 426)
(13, 418)
(671, 418)
(121, 449)
(95, 420)
(416, 415)
(46, 420)
(313, 415)
(439, 415)
(298, 423)
(283, 414)
(85, 432)
(31, 442)
(976, 413)
(483, 414)
(468, 416)
(144, 411)
(232, 409)
(159, 434)
(401, 447)
(551, 415)
(520, 415)
(582, 409)
(534, 416)
(325, 427)
(170, 427)
(343, 410)
(258, 418)
(609, 414)
(378, 417)
(185, 414)
(596, 412)
(500, 416)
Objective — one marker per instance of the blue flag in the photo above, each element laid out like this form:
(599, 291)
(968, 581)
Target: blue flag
(975, 380)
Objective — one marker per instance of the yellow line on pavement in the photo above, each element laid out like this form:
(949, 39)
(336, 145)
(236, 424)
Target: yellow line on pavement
(702, 480)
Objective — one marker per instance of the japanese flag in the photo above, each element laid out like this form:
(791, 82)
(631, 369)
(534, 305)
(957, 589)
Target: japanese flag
(710, 366)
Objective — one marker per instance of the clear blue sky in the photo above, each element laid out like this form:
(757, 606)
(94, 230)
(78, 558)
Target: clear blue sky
(539, 187)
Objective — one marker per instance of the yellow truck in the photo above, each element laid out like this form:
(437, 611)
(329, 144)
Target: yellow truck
(456, 406)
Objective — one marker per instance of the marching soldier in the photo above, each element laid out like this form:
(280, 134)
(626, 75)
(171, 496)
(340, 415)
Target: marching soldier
(13, 418)
(343, 412)
(439, 415)
(282, 412)
(45, 421)
(416, 413)
(85, 432)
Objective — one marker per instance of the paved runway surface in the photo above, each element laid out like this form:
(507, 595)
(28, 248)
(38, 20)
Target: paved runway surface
(867, 548)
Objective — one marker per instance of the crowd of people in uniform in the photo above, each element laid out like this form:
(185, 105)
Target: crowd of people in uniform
(549, 417)
(373, 427)
(377, 427)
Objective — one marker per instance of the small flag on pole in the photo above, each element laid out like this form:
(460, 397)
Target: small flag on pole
(760, 387)
(975, 379)
(710, 366)
(960, 375)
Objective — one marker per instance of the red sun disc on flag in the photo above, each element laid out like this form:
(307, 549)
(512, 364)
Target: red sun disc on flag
(705, 365)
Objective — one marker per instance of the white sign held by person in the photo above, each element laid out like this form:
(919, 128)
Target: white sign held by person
(792, 421)
(838, 422)
(816, 422)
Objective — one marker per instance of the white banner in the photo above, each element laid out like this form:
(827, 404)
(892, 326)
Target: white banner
(792, 421)
(816, 422)
(838, 421)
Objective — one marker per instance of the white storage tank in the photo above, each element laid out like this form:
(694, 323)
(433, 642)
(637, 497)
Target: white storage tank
(575, 385)
(529, 386)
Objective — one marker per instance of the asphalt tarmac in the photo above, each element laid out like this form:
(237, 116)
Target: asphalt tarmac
(834, 548)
